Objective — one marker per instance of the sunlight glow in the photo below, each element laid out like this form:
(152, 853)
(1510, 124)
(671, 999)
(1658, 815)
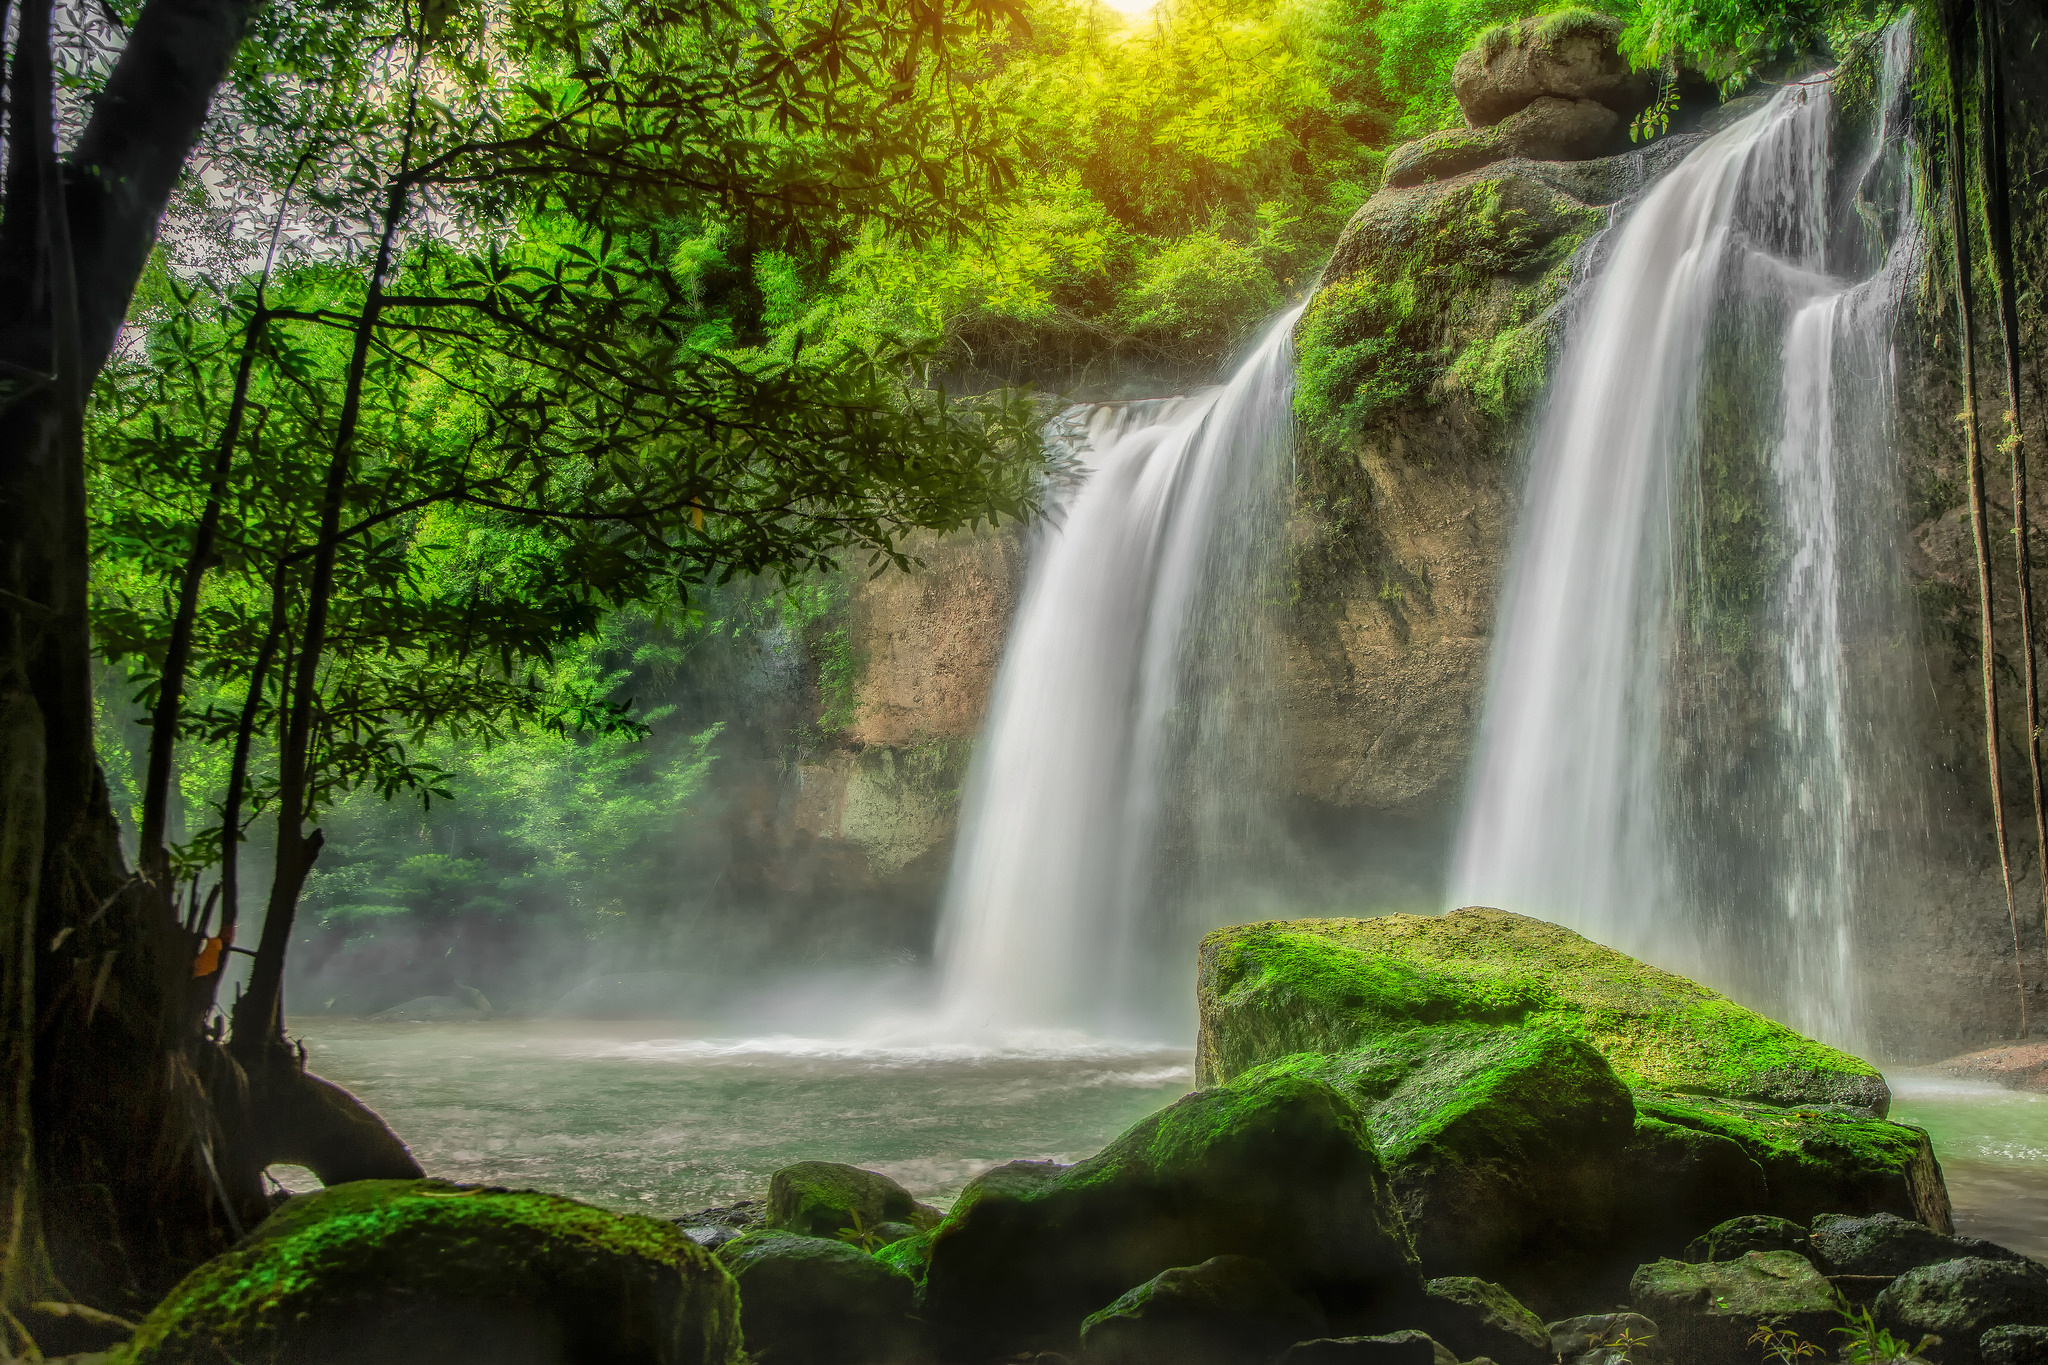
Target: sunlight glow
(1129, 6)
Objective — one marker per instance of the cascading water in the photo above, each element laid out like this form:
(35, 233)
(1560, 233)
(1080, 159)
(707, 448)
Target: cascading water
(1677, 757)
(1130, 666)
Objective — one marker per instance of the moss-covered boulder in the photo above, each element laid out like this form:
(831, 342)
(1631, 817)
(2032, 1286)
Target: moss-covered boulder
(1500, 1142)
(1476, 1319)
(825, 1198)
(1886, 1244)
(425, 1272)
(1962, 1300)
(1227, 1310)
(1280, 1168)
(1553, 1112)
(1816, 1159)
(819, 1301)
(1441, 155)
(1570, 53)
(1751, 1232)
(1283, 986)
(1707, 1314)
(1606, 1339)
(2014, 1345)
(1552, 128)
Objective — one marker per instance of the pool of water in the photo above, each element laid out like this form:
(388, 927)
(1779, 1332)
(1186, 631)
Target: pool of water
(638, 1118)
(1993, 1147)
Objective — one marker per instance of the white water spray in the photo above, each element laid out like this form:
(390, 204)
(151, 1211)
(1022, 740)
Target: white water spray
(1143, 589)
(1669, 760)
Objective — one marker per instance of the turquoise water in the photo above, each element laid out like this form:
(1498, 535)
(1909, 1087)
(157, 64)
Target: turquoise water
(1993, 1147)
(637, 1118)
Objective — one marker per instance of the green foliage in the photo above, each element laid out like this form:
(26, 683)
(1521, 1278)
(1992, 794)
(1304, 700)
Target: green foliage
(1866, 1343)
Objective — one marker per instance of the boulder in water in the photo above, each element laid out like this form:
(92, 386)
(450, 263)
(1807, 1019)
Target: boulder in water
(422, 1272)
(817, 1301)
(1227, 1310)
(825, 1198)
(1575, 54)
(1441, 155)
(1280, 1168)
(1961, 1301)
(1474, 1318)
(1554, 128)
(1751, 1232)
(1706, 1314)
(1327, 985)
(1553, 1112)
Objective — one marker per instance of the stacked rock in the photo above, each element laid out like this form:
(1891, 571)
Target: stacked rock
(1552, 88)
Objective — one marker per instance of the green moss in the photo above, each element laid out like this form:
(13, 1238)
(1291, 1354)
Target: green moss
(1450, 273)
(1815, 1159)
(1473, 1093)
(345, 1250)
(1334, 984)
(912, 1256)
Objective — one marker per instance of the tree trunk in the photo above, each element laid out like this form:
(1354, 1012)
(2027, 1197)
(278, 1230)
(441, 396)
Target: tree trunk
(112, 1173)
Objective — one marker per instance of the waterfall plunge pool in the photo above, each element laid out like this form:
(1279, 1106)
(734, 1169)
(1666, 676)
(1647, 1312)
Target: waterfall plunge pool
(635, 1117)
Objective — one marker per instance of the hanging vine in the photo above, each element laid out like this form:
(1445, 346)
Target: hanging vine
(1953, 18)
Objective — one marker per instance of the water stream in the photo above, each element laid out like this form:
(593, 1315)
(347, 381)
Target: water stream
(1678, 756)
(1123, 724)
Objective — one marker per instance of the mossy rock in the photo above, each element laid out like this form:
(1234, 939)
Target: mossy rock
(1270, 989)
(1438, 288)
(1227, 1310)
(404, 1271)
(1817, 1159)
(1441, 155)
(1886, 1244)
(819, 1301)
(1707, 1314)
(825, 1198)
(1477, 1319)
(911, 1256)
(1962, 1301)
(1500, 1142)
(1751, 1232)
(1569, 53)
(1280, 1168)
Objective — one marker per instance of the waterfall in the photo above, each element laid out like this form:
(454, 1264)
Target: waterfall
(1677, 756)
(1126, 683)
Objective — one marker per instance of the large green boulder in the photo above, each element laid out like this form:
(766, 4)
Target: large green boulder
(1328, 985)
(1553, 1113)
(825, 1198)
(819, 1301)
(1708, 1314)
(422, 1272)
(1279, 1168)
(1500, 1142)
